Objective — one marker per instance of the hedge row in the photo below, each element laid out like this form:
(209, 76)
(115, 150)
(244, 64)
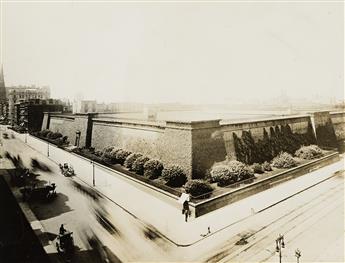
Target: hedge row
(172, 175)
(53, 137)
(143, 165)
(232, 172)
(309, 152)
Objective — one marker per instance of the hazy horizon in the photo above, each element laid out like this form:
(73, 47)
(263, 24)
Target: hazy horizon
(176, 52)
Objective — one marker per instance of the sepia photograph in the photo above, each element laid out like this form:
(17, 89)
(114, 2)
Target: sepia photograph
(172, 131)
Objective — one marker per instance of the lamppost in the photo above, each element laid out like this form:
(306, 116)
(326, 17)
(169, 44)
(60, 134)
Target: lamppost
(77, 138)
(298, 254)
(279, 245)
(93, 173)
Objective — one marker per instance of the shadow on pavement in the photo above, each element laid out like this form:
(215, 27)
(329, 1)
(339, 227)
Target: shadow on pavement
(87, 256)
(18, 242)
(45, 237)
(55, 208)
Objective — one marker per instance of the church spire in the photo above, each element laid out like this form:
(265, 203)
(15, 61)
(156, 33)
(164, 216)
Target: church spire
(2, 80)
(2, 86)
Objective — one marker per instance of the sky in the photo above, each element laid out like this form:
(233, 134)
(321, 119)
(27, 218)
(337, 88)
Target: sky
(175, 52)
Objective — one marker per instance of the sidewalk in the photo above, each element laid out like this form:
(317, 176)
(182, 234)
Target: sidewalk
(170, 221)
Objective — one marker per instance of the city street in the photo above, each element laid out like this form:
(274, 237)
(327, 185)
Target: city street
(314, 216)
(132, 242)
(312, 221)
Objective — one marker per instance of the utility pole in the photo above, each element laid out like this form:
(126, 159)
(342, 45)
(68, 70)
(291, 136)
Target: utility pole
(279, 245)
(93, 174)
(298, 254)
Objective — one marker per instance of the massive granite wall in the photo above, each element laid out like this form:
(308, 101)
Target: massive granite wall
(69, 125)
(338, 120)
(324, 129)
(65, 125)
(214, 142)
(195, 146)
(170, 142)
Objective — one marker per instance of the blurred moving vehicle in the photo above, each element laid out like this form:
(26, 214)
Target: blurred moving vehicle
(5, 135)
(99, 252)
(66, 169)
(45, 192)
(35, 164)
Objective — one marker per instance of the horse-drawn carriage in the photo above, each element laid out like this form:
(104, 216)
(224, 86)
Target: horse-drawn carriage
(45, 192)
(65, 244)
(66, 169)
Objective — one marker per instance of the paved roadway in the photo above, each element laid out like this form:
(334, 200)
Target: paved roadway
(312, 221)
(134, 240)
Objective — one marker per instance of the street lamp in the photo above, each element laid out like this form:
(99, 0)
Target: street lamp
(77, 138)
(298, 254)
(279, 245)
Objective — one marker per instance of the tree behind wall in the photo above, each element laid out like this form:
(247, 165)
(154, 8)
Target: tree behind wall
(280, 139)
(239, 149)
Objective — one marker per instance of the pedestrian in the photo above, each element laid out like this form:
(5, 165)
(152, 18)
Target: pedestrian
(186, 210)
(62, 230)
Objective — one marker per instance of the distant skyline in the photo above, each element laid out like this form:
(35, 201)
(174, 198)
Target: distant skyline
(176, 52)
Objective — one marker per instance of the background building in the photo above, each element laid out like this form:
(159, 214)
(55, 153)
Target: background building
(84, 106)
(29, 114)
(24, 93)
(3, 98)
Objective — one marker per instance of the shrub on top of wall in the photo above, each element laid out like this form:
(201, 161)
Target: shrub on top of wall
(198, 187)
(153, 169)
(49, 134)
(138, 164)
(106, 155)
(257, 168)
(108, 149)
(240, 170)
(121, 156)
(112, 155)
(59, 141)
(44, 133)
(174, 176)
(55, 135)
(267, 166)
(284, 160)
(98, 153)
(130, 159)
(309, 152)
(221, 175)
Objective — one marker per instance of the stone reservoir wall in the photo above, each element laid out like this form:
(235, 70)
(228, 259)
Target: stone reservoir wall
(168, 142)
(194, 145)
(214, 143)
(338, 121)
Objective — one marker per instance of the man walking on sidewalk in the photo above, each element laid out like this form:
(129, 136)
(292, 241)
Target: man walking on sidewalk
(186, 210)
